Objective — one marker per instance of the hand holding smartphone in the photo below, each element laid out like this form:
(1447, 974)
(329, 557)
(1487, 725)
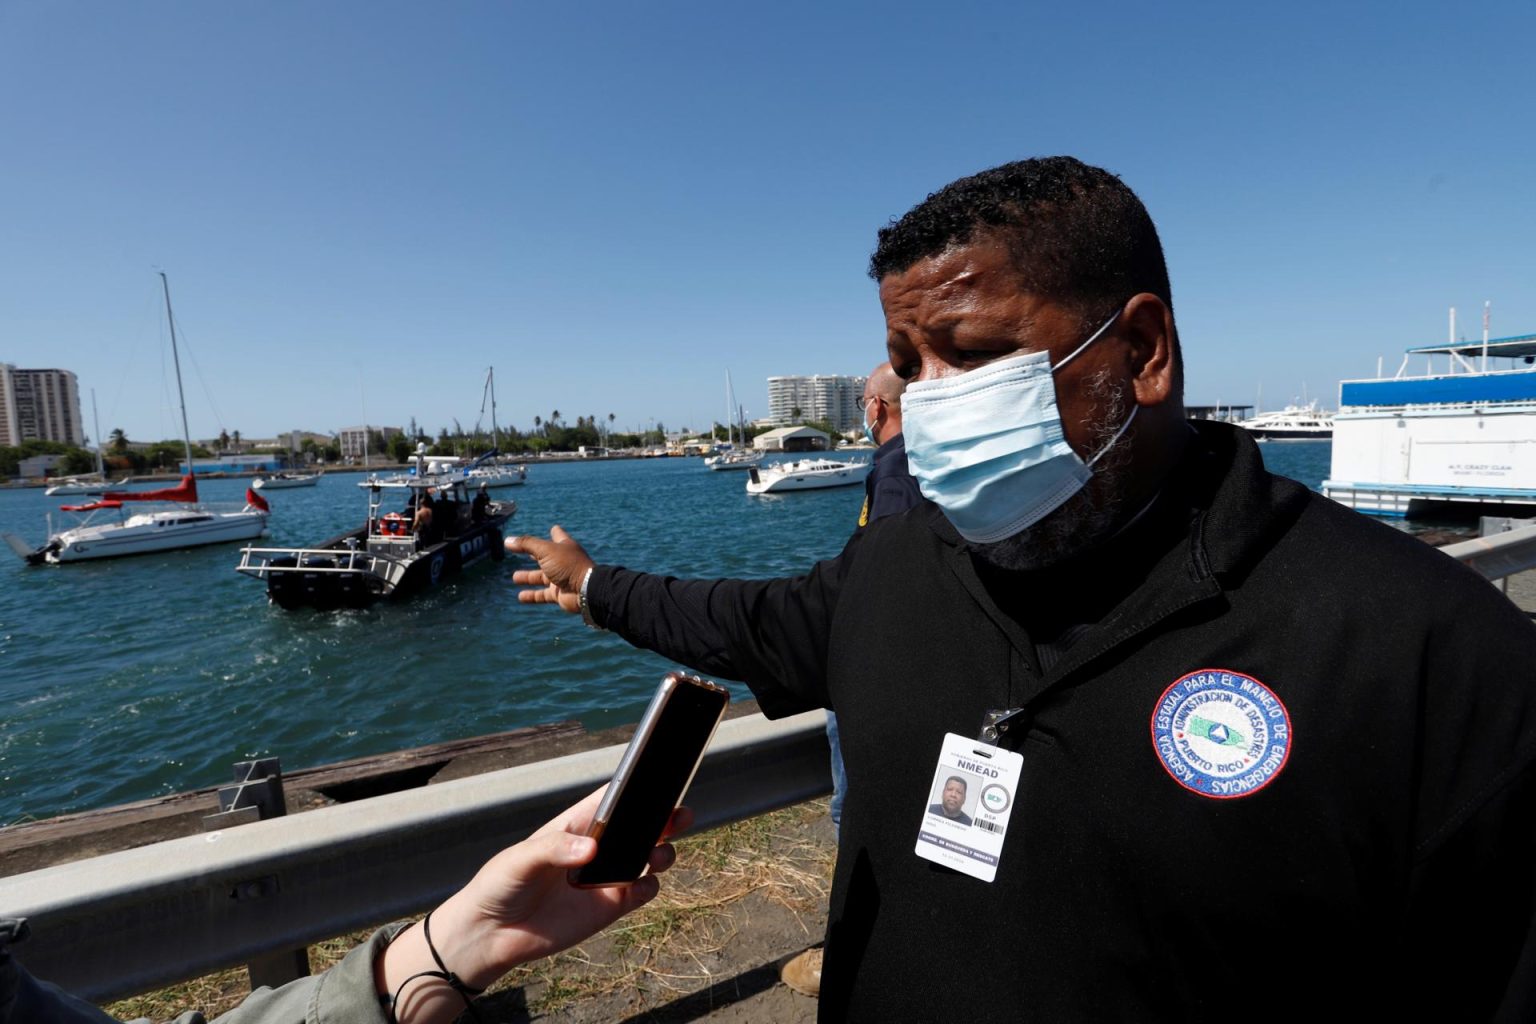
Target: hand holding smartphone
(652, 778)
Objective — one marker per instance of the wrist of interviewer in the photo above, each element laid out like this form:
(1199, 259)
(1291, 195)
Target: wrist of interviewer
(468, 943)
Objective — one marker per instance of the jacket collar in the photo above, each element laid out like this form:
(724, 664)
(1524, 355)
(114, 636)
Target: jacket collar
(1229, 510)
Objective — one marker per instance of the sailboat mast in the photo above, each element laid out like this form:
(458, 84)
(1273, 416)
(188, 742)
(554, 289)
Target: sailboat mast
(730, 414)
(186, 434)
(101, 469)
(490, 383)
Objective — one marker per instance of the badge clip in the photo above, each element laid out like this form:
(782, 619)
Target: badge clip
(998, 721)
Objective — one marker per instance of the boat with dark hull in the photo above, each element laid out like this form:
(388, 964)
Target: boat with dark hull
(384, 559)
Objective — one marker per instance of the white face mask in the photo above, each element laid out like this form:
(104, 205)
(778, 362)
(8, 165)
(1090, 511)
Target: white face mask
(987, 446)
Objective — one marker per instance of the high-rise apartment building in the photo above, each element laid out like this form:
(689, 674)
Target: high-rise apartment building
(826, 397)
(39, 405)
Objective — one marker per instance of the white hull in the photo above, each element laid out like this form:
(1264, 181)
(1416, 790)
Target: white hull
(1462, 440)
(148, 532)
(75, 485)
(1383, 463)
(744, 460)
(1294, 423)
(807, 475)
(499, 476)
(277, 483)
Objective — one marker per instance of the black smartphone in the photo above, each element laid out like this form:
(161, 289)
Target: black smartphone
(651, 778)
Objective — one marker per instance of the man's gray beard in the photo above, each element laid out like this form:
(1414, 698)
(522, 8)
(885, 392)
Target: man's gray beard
(1094, 511)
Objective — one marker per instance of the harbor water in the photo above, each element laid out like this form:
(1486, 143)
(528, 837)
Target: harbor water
(129, 678)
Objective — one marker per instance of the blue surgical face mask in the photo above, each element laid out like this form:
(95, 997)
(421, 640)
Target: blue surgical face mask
(987, 446)
(868, 433)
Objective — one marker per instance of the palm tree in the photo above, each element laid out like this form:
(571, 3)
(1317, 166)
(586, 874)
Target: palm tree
(223, 440)
(538, 424)
(235, 437)
(119, 440)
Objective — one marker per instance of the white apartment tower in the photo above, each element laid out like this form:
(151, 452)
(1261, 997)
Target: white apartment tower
(39, 405)
(819, 397)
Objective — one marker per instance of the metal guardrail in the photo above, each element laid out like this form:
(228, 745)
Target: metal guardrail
(1498, 554)
(135, 920)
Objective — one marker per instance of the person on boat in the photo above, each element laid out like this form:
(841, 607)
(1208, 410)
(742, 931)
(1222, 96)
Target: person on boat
(479, 509)
(1254, 749)
(889, 489)
(421, 523)
(519, 907)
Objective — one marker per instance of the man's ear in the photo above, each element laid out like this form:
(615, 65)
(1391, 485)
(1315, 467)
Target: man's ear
(1147, 327)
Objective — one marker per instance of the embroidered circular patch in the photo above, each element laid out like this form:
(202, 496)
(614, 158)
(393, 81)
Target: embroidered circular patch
(1221, 733)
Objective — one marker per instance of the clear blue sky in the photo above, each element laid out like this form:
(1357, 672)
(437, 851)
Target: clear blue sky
(361, 206)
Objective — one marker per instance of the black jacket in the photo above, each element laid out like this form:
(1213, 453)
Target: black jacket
(1377, 858)
(890, 488)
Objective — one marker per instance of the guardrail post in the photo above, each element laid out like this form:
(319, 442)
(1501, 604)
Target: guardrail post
(257, 795)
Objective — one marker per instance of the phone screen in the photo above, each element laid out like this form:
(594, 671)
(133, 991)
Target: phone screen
(651, 780)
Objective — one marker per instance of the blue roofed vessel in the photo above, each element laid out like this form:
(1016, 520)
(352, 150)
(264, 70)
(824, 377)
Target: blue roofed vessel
(1456, 440)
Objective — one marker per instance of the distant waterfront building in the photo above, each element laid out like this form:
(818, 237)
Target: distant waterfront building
(825, 397)
(354, 440)
(236, 464)
(792, 439)
(294, 439)
(39, 405)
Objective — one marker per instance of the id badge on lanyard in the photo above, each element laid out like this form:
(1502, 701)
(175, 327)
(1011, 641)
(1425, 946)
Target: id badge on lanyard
(969, 803)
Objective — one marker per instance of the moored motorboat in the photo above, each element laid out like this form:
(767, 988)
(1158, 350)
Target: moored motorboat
(279, 481)
(1293, 423)
(806, 475)
(386, 558)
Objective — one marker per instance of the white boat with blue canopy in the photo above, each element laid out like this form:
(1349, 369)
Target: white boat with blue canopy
(1454, 441)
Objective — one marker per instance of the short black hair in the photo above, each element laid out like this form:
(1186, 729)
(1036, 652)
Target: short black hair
(1076, 234)
(956, 778)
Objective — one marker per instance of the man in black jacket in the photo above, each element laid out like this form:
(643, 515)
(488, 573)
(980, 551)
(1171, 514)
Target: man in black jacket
(1268, 758)
(889, 489)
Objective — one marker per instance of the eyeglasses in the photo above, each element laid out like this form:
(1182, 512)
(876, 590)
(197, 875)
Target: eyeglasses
(864, 401)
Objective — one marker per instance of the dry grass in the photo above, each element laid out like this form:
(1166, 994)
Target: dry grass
(672, 945)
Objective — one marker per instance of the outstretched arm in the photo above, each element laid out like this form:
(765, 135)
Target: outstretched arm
(563, 565)
(770, 634)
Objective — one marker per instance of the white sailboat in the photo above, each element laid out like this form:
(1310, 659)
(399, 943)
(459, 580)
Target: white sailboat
(442, 470)
(185, 523)
(487, 469)
(733, 457)
(97, 481)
